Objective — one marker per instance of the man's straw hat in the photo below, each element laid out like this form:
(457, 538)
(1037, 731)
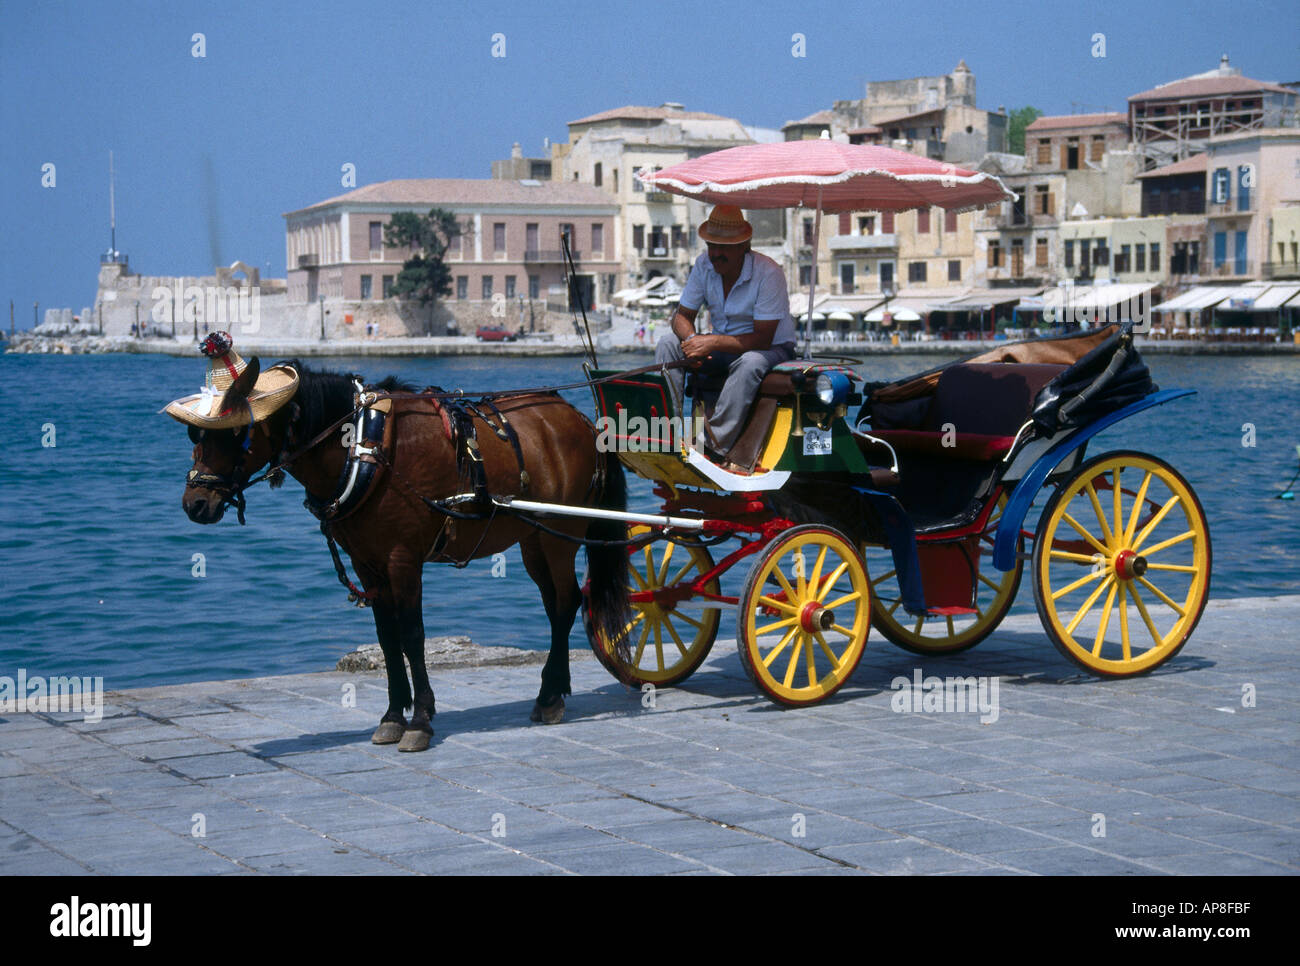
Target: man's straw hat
(726, 225)
(272, 390)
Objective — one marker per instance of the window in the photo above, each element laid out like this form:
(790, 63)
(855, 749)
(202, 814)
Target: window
(887, 222)
(1239, 253)
(1085, 262)
(807, 231)
(499, 237)
(1245, 176)
(658, 240)
(950, 221)
(487, 286)
(510, 286)
(886, 275)
(1070, 154)
(954, 270)
(923, 221)
(846, 223)
(616, 181)
(1040, 252)
(1100, 253)
(376, 236)
(534, 286)
(1222, 189)
(1098, 147)
(1044, 200)
(1122, 263)
(1140, 258)
(1069, 253)
(636, 182)
(366, 282)
(388, 286)
(846, 278)
(1017, 257)
(867, 226)
(1155, 256)
(916, 271)
(1220, 248)
(995, 254)
(1044, 151)
(462, 287)
(597, 178)
(638, 237)
(530, 237)
(679, 237)
(566, 234)
(598, 238)
(1018, 210)
(805, 275)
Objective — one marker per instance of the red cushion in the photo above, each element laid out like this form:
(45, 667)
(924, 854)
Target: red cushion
(965, 446)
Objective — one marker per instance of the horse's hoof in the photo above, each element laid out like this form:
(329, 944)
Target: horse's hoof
(388, 733)
(415, 739)
(550, 714)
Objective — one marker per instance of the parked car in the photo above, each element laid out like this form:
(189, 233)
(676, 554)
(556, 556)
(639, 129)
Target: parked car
(494, 333)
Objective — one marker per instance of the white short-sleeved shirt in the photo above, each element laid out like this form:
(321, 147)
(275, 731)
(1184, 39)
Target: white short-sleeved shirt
(759, 293)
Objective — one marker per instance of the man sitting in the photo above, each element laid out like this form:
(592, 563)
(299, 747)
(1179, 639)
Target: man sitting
(752, 328)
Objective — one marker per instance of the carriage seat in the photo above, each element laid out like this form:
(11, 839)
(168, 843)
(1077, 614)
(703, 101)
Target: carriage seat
(976, 408)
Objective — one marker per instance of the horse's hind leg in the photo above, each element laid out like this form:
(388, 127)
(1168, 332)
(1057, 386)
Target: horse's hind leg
(549, 561)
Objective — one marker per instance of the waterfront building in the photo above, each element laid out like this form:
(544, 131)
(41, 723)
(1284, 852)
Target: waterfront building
(507, 265)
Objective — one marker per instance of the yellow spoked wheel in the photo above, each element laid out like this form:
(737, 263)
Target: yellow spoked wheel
(993, 594)
(804, 615)
(1122, 561)
(667, 640)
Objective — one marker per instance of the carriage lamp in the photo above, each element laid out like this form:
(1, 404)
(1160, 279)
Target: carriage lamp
(833, 389)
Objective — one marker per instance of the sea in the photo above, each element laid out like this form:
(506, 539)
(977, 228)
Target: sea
(102, 574)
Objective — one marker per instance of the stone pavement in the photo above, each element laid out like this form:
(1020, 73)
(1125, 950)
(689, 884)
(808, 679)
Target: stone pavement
(279, 776)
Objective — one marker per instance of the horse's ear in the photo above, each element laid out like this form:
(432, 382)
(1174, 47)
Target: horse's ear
(237, 394)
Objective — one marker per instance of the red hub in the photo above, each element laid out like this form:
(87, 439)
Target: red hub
(1129, 565)
(814, 617)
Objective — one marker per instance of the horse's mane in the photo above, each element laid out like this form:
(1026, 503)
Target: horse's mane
(324, 395)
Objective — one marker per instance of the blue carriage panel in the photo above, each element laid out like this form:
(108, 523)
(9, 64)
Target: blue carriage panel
(1004, 546)
(902, 544)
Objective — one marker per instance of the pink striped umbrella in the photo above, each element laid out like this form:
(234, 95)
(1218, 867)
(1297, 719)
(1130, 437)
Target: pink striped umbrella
(828, 176)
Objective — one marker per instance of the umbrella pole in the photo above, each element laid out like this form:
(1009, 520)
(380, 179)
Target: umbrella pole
(812, 276)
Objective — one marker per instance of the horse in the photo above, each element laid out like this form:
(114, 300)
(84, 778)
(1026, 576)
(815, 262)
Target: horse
(409, 516)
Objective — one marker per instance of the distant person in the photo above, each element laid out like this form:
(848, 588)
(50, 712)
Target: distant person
(749, 306)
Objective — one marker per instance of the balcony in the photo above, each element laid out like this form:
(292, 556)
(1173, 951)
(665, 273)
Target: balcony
(658, 198)
(863, 243)
(1232, 269)
(1228, 209)
(1272, 270)
(540, 255)
(308, 261)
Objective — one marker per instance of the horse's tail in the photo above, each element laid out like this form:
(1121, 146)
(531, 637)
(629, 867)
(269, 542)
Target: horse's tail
(608, 563)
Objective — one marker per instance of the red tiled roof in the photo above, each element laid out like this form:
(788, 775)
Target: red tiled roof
(1076, 120)
(1193, 165)
(469, 191)
(634, 113)
(1208, 87)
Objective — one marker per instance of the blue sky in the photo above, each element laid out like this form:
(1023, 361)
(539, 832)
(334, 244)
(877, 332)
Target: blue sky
(211, 151)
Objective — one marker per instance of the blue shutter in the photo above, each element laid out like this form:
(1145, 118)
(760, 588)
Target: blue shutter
(1243, 187)
(1240, 253)
(1220, 248)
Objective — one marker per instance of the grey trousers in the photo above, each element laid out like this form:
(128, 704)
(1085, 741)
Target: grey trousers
(744, 373)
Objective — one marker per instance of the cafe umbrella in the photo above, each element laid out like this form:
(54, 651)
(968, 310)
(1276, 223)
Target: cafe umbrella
(827, 176)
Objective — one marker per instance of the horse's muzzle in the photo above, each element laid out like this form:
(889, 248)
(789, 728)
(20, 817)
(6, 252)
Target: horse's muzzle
(203, 506)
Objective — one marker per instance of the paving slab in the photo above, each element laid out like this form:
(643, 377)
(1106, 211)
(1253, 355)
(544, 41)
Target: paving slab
(281, 778)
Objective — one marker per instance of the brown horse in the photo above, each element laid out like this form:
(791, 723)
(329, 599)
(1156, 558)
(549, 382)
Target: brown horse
(395, 531)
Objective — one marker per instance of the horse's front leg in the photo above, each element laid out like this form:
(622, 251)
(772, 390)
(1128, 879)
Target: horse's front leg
(393, 724)
(408, 606)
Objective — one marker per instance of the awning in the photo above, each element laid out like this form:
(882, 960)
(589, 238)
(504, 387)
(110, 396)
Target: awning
(849, 304)
(1276, 297)
(1104, 296)
(799, 302)
(1244, 298)
(985, 298)
(898, 312)
(1197, 298)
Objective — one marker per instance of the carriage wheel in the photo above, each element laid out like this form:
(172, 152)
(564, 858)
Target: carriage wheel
(804, 615)
(1122, 561)
(995, 592)
(667, 644)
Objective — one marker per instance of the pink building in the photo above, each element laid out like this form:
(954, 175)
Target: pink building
(510, 244)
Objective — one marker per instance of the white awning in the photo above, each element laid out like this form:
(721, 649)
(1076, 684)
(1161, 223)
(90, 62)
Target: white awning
(1104, 296)
(985, 299)
(899, 311)
(1276, 297)
(1245, 298)
(1197, 298)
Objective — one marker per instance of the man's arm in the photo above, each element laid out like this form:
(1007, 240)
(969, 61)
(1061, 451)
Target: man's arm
(759, 338)
(683, 324)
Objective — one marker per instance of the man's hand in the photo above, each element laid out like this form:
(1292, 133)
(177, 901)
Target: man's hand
(697, 347)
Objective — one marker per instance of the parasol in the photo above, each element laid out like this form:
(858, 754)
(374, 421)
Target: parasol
(827, 176)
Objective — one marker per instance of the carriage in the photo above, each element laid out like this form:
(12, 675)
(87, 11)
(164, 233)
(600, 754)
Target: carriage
(912, 518)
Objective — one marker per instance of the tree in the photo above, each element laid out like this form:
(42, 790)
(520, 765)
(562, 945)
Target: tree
(1016, 124)
(424, 276)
